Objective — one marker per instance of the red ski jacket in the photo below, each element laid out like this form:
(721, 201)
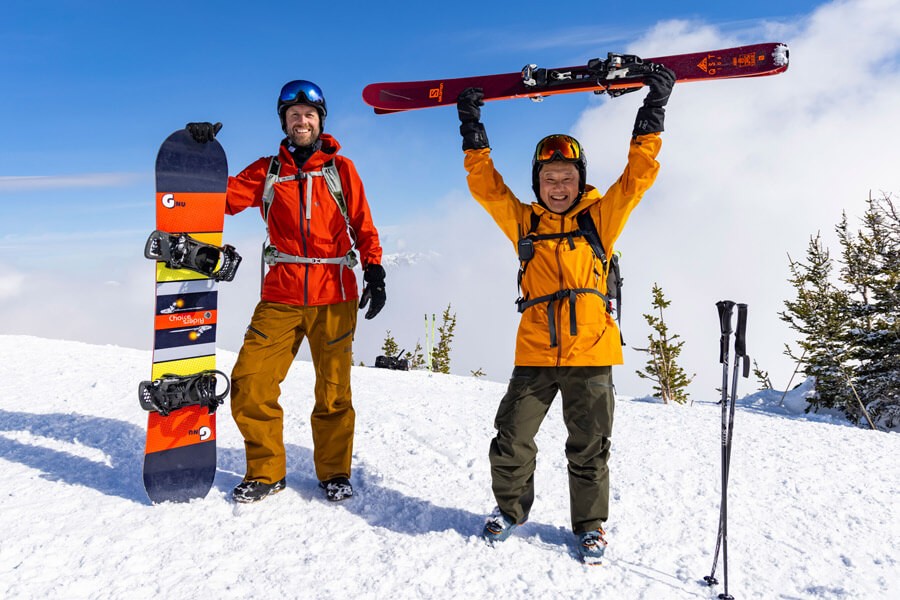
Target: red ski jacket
(315, 229)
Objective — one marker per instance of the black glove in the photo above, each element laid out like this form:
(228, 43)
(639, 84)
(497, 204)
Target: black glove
(660, 80)
(203, 132)
(468, 105)
(651, 116)
(373, 275)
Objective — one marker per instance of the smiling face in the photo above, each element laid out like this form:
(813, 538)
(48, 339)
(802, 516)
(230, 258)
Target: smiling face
(559, 185)
(302, 124)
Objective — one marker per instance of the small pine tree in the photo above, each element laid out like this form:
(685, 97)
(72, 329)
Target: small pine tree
(389, 347)
(671, 380)
(762, 377)
(441, 356)
(416, 357)
(478, 373)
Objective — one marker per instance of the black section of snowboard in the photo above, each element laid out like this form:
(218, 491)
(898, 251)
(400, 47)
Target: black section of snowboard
(180, 474)
(183, 165)
(184, 336)
(181, 303)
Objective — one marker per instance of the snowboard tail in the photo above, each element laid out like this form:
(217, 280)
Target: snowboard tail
(180, 453)
(616, 74)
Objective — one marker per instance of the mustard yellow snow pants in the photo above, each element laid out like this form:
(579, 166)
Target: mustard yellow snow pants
(270, 345)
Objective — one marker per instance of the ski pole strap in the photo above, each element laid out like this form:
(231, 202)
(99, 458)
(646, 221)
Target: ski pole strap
(551, 299)
(171, 392)
(740, 336)
(740, 339)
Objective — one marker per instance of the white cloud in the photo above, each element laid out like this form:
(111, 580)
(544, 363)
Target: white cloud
(11, 183)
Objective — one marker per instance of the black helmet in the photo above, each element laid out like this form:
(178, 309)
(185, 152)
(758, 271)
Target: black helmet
(558, 147)
(301, 91)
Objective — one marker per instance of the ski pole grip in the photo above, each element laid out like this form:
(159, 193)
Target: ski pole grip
(740, 336)
(725, 307)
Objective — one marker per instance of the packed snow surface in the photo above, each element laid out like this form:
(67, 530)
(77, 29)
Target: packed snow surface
(812, 499)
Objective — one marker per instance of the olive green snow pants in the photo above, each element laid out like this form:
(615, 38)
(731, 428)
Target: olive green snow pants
(588, 401)
(270, 345)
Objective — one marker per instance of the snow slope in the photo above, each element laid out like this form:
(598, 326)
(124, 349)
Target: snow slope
(813, 503)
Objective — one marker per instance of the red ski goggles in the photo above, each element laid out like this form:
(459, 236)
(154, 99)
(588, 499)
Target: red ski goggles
(301, 91)
(558, 147)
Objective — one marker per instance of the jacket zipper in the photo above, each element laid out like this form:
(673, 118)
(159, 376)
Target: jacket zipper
(559, 304)
(300, 183)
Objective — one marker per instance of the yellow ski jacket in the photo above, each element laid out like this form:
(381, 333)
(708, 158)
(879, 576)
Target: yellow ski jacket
(573, 326)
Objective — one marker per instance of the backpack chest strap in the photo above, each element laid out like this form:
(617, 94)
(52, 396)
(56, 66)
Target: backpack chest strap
(551, 299)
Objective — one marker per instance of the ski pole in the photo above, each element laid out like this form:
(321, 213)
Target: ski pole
(725, 308)
(740, 356)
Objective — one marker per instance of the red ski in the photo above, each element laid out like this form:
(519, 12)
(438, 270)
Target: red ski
(616, 74)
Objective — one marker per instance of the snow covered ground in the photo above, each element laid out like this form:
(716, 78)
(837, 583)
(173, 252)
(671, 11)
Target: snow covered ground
(813, 501)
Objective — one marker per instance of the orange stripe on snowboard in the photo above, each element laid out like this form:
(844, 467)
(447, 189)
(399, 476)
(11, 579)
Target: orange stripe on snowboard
(186, 319)
(183, 427)
(178, 212)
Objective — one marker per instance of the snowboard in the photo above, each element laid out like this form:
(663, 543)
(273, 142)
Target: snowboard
(618, 73)
(180, 453)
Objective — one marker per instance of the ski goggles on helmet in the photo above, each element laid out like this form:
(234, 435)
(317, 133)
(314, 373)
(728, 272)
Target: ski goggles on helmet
(301, 91)
(558, 147)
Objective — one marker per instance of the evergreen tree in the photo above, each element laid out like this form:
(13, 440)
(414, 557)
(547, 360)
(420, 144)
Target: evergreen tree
(818, 314)
(416, 358)
(441, 356)
(762, 377)
(389, 347)
(662, 367)
(871, 271)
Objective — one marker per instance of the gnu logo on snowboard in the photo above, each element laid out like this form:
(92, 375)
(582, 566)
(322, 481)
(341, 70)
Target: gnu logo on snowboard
(169, 201)
(204, 432)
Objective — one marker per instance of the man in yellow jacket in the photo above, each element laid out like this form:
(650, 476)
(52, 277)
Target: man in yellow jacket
(567, 339)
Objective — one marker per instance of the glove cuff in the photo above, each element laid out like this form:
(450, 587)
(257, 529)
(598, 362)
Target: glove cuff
(474, 136)
(374, 274)
(649, 119)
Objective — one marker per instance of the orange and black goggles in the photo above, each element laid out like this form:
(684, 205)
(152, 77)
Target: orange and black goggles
(558, 147)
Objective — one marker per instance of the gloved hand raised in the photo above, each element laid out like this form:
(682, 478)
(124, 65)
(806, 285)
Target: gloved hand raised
(660, 80)
(651, 116)
(468, 106)
(373, 290)
(203, 132)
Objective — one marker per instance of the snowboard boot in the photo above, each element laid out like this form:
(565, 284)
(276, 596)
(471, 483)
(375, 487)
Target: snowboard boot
(498, 527)
(337, 489)
(251, 490)
(591, 546)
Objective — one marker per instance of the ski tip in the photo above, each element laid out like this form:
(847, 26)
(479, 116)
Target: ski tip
(781, 55)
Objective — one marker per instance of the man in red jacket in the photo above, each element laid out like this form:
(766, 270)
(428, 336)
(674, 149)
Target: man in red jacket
(317, 218)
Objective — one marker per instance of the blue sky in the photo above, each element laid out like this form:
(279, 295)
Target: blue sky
(90, 89)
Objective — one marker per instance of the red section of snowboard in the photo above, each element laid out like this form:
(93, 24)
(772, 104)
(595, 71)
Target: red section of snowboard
(755, 60)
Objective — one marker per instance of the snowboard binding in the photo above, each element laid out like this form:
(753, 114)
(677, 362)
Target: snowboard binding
(171, 392)
(181, 251)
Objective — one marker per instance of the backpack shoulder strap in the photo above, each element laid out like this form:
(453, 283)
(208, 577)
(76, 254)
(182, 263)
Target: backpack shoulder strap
(269, 187)
(589, 230)
(333, 180)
